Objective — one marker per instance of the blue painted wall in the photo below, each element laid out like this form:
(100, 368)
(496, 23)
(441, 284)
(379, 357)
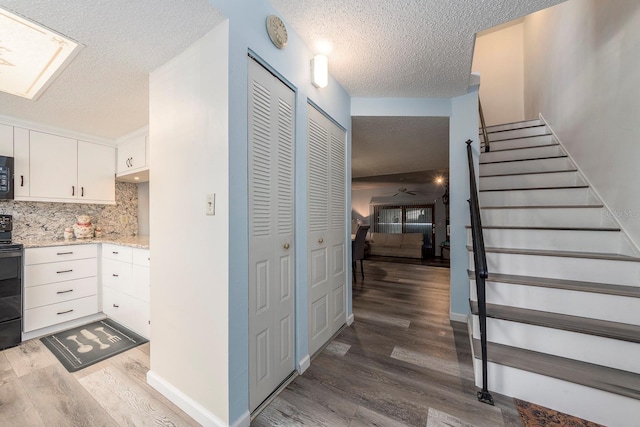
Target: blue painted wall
(247, 31)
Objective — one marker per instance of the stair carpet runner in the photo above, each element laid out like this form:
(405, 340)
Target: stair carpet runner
(563, 293)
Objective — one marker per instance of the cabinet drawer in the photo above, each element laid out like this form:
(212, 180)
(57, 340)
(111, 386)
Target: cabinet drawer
(140, 283)
(141, 257)
(119, 253)
(37, 296)
(41, 317)
(126, 310)
(59, 253)
(116, 274)
(40, 274)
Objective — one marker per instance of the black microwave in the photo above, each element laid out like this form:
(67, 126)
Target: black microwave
(6, 178)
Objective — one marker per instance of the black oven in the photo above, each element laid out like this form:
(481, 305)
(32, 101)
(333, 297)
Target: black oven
(10, 286)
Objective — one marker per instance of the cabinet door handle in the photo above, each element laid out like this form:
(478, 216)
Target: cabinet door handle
(286, 246)
(81, 191)
(64, 271)
(116, 305)
(321, 240)
(73, 190)
(115, 275)
(65, 253)
(64, 292)
(65, 312)
(21, 180)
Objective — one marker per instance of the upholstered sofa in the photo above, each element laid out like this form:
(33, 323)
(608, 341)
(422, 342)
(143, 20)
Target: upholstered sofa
(406, 245)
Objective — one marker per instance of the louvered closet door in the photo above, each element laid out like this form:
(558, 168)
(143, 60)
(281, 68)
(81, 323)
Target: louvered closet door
(271, 251)
(326, 233)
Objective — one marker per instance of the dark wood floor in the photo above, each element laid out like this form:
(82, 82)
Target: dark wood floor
(401, 363)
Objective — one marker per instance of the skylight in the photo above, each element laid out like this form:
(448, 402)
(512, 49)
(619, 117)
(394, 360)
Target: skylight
(31, 56)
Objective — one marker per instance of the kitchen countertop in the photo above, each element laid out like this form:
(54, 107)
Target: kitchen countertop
(141, 242)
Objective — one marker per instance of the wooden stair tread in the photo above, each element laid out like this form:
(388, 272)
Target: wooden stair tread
(526, 227)
(562, 187)
(565, 322)
(543, 207)
(567, 254)
(519, 128)
(528, 173)
(571, 285)
(616, 381)
(519, 148)
(525, 160)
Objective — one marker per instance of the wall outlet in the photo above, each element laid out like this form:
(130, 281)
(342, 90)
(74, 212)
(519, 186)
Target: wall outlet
(211, 204)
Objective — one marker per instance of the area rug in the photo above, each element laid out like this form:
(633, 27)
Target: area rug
(533, 415)
(85, 345)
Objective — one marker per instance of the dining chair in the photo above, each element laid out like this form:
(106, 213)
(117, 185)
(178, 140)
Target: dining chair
(357, 249)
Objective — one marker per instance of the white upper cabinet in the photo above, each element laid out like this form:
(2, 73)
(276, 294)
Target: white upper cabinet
(132, 155)
(6, 140)
(21, 162)
(96, 172)
(64, 169)
(54, 166)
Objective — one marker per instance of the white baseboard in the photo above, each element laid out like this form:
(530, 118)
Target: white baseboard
(305, 362)
(243, 421)
(350, 319)
(457, 317)
(184, 402)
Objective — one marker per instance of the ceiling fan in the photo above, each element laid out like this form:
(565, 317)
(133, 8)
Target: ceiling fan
(403, 190)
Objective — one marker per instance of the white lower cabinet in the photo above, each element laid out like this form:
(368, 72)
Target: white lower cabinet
(60, 284)
(125, 286)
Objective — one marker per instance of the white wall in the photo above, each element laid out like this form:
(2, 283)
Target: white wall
(582, 62)
(189, 126)
(498, 57)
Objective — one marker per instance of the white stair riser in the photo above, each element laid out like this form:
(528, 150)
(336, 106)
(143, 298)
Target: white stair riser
(517, 133)
(600, 407)
(526, 166)
(560, 240)
(554, 267)
(516, 125)
(530, 141)
(550, 197)
(616, 354)
(523, 153)
(613, 308)
(561, 179)
(534, 217)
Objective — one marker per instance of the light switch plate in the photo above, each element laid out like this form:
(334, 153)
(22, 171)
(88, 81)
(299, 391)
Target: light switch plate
(211, 204)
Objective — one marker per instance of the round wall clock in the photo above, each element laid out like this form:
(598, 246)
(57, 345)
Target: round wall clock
(277, 31)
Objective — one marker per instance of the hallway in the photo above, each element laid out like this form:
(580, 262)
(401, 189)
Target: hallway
(401, 363)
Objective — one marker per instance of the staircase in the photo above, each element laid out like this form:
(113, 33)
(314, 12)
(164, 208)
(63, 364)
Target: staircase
(563, 293)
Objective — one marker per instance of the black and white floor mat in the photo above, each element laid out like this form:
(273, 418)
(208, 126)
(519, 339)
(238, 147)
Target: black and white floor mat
(85, 345)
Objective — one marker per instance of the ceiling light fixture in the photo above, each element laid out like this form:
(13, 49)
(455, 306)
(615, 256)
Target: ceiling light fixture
(31, 56)
(320, 71)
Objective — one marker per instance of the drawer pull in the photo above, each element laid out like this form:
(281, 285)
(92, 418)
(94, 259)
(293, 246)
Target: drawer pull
(64, 271)
(65, 253)
(64, 292)
(116, 305)
(114, 275)
(114, 252)
(65, 312)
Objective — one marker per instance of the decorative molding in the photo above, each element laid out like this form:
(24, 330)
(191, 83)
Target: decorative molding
(350, 319)
(184, 402)
(458, 317)
(304, 364)
(39, 127)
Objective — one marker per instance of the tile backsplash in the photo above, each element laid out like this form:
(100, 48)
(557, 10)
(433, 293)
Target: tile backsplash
(46, 220)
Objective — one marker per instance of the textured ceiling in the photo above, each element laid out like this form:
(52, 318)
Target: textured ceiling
(105, 90)
(393, 145)
(400, 48)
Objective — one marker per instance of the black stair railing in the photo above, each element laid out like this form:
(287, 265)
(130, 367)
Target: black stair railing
(481, 272)
(485, 135)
